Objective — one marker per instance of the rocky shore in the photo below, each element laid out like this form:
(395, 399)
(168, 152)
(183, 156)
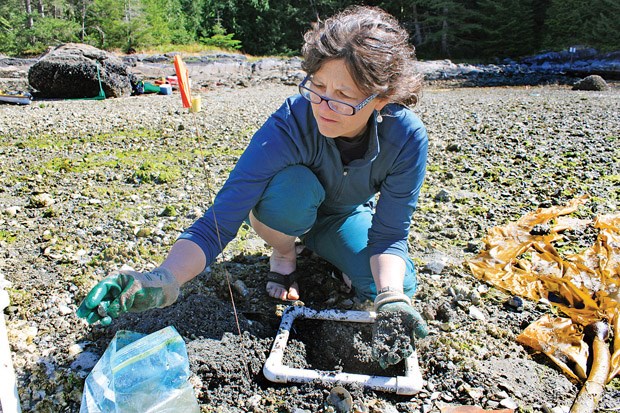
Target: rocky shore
(89, 186)
(213, 70)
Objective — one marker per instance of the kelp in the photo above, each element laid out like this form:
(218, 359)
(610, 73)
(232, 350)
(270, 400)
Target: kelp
(521, 258)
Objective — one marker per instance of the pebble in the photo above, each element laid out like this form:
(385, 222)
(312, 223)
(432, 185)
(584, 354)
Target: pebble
(85, 361)
(64, 310)
(435, 266)
(347, 303)
(508, 403)
(241, 288)
(474, 297)
(385, 407)
(340, 399)
(515, 303)
(476, 393)
(443, 196)
(254, 402)
(41, 200)
(12, 211)
(476, 314)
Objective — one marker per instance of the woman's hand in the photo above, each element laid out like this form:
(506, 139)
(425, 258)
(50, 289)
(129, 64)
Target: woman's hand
(128, 291)
(396, 326)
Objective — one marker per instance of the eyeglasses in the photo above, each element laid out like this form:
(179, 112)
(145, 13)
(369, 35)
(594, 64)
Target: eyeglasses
(337, 106)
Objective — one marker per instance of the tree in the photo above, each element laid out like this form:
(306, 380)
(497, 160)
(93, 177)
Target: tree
(564, 24)
(45, 32)
(29, 14)
(221, 39)
(12, 18)
(602, 30)
(448, 27)
(506, 28)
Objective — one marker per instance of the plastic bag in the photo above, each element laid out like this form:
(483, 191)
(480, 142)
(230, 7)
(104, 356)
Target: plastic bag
(141, 373)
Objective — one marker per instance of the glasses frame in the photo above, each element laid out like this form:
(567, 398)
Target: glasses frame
(355, 108)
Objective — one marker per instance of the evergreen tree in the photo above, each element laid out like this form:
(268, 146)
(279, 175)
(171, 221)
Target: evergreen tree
(104, 24)
(602, 30)
(191, 10)
(565, 23)
(539, 13)
(506, 28)
(12, 25)
(449, 27)
(408, 13)
(221, 39)
(45, 32)
(165, 22)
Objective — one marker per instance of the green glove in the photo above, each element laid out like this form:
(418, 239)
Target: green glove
(396, 326)
(128, 291)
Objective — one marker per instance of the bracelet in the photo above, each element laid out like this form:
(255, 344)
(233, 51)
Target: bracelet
(389, 289)
(390, 297)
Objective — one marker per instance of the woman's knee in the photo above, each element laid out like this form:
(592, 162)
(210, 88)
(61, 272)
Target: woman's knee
(291, 200)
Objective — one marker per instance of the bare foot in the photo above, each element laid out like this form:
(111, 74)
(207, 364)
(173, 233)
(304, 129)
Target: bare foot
(282, 265)
(278, 291)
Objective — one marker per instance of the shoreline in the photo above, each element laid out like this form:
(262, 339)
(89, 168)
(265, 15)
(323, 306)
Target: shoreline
(230, 70)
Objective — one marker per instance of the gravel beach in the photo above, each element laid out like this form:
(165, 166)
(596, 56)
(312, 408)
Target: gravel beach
(89, 186)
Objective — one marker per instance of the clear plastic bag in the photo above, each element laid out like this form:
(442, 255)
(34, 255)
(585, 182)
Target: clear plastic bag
(141, 373)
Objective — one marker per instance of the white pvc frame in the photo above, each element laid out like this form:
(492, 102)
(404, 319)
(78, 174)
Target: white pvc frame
(9, 399)
(409, 384)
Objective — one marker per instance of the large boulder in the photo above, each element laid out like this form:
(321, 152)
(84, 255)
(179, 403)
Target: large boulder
(592, 82)
(70, 71)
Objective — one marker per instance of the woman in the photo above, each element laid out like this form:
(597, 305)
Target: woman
(312, 172)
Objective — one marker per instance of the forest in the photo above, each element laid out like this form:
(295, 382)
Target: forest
(465, 30)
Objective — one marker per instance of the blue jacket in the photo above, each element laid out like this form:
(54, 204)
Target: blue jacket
(393, 166)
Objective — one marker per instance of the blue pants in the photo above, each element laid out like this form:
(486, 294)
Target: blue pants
(290, 205)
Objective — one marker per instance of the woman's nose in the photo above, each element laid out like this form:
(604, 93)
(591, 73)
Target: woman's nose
(324, 104)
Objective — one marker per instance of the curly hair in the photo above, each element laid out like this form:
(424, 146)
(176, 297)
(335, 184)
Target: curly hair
(375, 49)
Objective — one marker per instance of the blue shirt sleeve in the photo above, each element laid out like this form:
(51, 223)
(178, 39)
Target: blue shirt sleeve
(271, 149)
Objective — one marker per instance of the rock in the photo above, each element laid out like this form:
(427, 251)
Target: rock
(169, 211)
(514, 303)
(75, 349)
(70, 71)
(64, 310)
(443, 196)
(429, 313)
(241, 288)
(41, 201)
(12, 211)
(476, 314)
(144, 232)
(436, 263)
(509, 403)
(592, 82)
(85, 361)
(254, 402)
